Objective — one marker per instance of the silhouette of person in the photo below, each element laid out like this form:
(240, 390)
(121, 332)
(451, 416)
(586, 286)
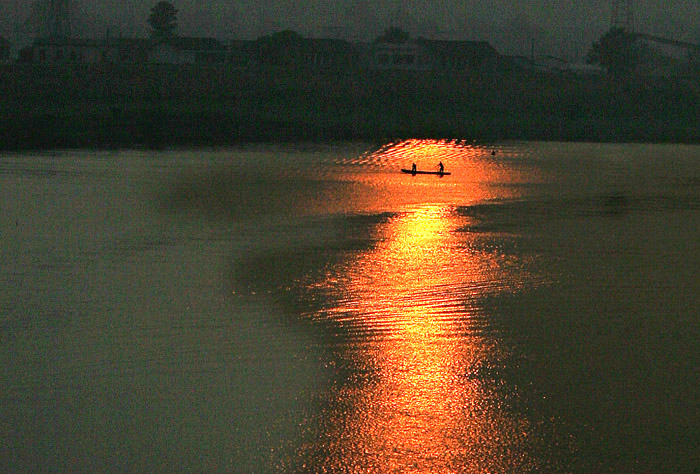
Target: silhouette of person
(441, 167)
(413, 168)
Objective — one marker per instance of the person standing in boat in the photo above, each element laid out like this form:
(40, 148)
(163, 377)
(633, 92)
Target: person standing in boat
(413, 168)
(441, 167)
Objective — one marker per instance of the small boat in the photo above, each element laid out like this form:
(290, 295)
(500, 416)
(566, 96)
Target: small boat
(439, 173)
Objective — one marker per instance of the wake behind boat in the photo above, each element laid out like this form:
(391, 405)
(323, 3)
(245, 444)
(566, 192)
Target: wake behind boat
(440, 173)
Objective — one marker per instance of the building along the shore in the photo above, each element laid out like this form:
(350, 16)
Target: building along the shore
(187, 50)
(284, 50)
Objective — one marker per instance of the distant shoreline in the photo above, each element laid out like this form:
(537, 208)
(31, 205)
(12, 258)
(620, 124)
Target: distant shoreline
(79, 135)
(91, 143)
(117, 106)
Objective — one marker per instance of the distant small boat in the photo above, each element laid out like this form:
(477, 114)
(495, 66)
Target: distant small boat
(439, 173)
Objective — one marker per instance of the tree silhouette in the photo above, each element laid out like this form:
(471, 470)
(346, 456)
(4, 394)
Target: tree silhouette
(281, 48)
(163, 20)
(616, 51)
(393, 35)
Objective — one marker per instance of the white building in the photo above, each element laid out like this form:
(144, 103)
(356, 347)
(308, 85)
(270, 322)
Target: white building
(407, 56)
(432, 55)
(181, 50)
(68, 50)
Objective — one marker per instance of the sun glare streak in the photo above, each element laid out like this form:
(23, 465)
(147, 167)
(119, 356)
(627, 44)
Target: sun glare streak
(420, 414)
(477, 176)
(415, 302)
(427, 152)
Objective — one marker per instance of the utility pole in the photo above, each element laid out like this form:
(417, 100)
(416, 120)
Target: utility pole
(53, 18)
(623, 15)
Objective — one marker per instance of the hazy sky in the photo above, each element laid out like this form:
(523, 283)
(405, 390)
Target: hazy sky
(560, 27)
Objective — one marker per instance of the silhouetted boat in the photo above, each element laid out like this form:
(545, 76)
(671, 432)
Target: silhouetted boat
(440, 173)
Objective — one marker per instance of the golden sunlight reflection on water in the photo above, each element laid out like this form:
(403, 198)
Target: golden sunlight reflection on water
(378, 185)
(429, 398)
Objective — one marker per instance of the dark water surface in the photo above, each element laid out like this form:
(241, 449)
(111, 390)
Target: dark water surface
(312, 309)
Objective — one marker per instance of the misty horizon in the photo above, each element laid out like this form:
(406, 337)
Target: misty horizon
(512, 27)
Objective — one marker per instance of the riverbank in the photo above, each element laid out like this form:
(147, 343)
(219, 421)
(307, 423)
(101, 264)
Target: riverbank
(116, 106)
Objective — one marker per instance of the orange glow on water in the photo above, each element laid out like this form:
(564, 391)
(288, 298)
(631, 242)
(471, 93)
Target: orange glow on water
(376, 183)
(420, 411)
(413, 307)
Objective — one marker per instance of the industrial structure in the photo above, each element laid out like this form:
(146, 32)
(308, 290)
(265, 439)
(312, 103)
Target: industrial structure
(623, 15)
(54, 19)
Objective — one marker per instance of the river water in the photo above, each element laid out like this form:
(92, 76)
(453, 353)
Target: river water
(288, 308)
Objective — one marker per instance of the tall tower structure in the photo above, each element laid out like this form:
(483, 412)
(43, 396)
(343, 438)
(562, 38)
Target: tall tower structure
(53, 18)
(623, 15)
